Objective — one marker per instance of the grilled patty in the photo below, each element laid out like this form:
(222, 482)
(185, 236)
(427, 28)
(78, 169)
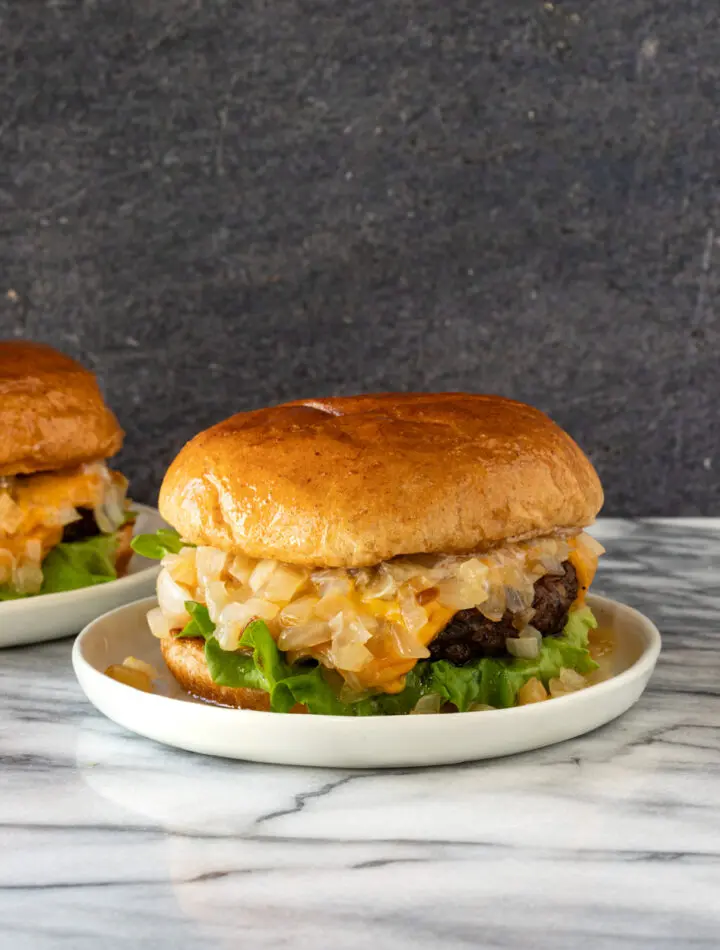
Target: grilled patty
(469, 635)
(84, 527)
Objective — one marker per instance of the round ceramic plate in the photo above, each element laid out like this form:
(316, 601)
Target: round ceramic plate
(51, 616)
(170, 716)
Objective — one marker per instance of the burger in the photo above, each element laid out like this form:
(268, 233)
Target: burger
(64, 519)
(378, 555)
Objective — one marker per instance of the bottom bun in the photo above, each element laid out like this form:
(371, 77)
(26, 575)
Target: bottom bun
(124, 551)
(185, 658)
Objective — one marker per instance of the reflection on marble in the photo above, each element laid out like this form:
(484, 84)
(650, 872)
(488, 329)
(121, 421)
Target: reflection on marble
(612, 840)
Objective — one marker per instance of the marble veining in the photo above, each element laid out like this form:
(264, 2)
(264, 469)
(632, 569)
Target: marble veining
(612, 840)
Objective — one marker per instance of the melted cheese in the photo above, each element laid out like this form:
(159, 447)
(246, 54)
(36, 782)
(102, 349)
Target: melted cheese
(41, 497)
(585, 562)
(372, 625)
(387, 670)
(44, 503)
(15, 546)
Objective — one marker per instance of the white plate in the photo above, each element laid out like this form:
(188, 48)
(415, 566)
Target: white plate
(174, 718)
(51, 616)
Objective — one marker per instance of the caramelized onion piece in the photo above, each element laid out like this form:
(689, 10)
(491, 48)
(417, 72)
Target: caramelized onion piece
(135, 678)
(181, 567)
(132, 663)
(569, 681)
(303, 635)
(236, 616)
(11, 516)
(414, 616)
(27, 577)
(159, 626)
(427, 704)
(407, 645)
(284, 583)
(525, 648)
(209, 564)
(531, 692)
(172, 597)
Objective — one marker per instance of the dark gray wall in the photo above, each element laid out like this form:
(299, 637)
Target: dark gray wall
(221, 204)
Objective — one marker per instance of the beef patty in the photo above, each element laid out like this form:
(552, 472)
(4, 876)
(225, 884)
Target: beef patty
(469, 635)
(85, 527)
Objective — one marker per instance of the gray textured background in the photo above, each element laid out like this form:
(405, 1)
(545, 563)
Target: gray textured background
(222, 204)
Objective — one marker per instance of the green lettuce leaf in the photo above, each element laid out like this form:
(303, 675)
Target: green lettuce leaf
(156, 546)
(417, 685)
(577, 629)
(80, 564)
(265, 654)
(265, 668)
(74, 564)
(200, 624)
(309, 685)
(495, 682)
(6, 593)
(232, 668)
(488, 681)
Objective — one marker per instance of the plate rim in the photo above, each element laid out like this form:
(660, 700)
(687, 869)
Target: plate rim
(643, 666)
(63, 597)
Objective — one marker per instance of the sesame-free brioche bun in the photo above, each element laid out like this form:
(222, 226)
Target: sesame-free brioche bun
(348, 482)
(185, 658)
(52, 413)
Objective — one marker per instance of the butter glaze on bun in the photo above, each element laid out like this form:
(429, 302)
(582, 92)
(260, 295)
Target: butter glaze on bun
(52, 413)
(349, 482)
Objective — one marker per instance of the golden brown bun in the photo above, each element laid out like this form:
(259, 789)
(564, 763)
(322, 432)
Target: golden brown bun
(185, 658)
(124, 552)
(349, 482)
(52, 413)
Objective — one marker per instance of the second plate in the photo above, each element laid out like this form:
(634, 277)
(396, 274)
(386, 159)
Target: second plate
(51, 616)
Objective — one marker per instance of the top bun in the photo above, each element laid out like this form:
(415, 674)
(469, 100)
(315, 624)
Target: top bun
(349, 482)
(52, 413)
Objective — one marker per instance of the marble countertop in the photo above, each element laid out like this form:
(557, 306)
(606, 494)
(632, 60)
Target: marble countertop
(612, 840)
